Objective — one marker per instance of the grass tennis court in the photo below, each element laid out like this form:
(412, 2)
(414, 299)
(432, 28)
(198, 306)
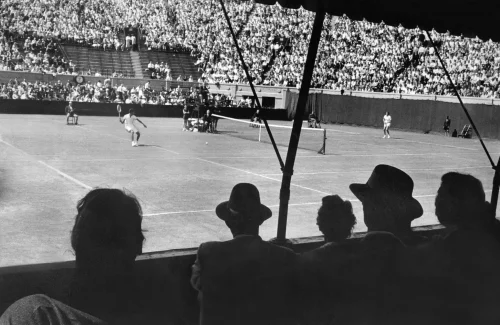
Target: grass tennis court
(46, 166)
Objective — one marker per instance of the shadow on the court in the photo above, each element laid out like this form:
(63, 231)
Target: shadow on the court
(225, 132)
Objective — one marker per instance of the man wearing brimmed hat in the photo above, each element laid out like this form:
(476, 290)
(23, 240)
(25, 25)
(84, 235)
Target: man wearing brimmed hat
(375, 278)
(388, 202)
(244, 280)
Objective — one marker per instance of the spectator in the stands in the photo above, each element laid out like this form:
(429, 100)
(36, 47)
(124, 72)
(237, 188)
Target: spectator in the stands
(461, 202)
(335, 219)
(321, 269)
(106, 238)
(244, 280)
(454, 278)
(388, 203)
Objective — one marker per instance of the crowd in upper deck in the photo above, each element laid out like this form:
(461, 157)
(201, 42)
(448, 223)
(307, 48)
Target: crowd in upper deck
(353, 55)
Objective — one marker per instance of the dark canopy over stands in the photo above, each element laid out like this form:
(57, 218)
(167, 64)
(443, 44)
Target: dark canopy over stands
(467, 17)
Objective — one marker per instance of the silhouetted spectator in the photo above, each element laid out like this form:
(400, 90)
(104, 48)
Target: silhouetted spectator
(388, 203)
(106, 238)
(322, 270)
(461, 202)
(455, 277)
(335, 219)
(244, 280)
(375, 270)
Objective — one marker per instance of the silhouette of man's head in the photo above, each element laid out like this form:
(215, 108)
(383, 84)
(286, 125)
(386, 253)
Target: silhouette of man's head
(107, 233)
(387, 198)
(243, 213)
(461, 201)
(335, 218)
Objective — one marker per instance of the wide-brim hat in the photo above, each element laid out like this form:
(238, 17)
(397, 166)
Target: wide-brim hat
(389, 179)
(244, 201)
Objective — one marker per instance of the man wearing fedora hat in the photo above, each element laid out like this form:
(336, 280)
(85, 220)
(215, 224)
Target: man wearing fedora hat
(244, 280)
(388, 208)
(388, 203)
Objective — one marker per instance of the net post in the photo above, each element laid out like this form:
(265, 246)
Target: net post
(260, 131)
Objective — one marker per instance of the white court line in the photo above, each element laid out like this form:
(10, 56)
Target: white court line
(333, 156)
(272, 206)
(229, 157)
(115, 136)
(258, 175)
(369, 171)
(213, 210)
(346, 132)
(437, 144)
(176, 212)
(74, 180)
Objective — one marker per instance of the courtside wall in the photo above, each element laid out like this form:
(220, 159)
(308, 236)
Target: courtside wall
(424, 115)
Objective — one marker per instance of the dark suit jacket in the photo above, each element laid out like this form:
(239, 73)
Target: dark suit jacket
(246, 281)
(454, 280)
(351, 284)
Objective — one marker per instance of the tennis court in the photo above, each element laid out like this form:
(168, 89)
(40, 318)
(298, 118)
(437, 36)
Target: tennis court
(46, 166)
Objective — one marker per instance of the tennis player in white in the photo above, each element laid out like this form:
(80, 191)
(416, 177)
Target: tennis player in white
(129, 120)
(387, 124)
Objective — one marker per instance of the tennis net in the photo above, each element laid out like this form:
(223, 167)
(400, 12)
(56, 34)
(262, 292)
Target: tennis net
(310, 138)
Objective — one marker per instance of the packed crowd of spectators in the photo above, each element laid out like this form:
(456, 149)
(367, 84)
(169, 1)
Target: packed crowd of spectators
(104, 92)
(353, 55)
(393, 275)
(33, 54)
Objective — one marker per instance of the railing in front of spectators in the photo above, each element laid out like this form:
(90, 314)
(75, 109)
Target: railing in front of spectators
(139, 38)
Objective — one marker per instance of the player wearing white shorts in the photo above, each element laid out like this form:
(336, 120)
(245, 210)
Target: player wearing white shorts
(129, 120)
(387, 124)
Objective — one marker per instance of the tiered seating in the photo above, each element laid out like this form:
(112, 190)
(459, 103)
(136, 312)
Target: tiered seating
(180, 63)
(103, 61)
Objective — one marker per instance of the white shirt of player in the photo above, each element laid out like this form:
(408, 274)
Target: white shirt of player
(129, 121)
(387, 119)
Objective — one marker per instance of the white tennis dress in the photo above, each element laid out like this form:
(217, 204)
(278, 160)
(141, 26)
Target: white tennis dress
(387, 120)
(129, 123)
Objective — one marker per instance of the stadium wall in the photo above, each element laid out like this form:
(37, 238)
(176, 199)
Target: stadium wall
(422, 115)
(10, 106)
(166, 275)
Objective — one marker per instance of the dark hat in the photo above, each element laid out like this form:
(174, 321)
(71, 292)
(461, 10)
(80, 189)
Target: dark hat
(389, 179)
(244, 200)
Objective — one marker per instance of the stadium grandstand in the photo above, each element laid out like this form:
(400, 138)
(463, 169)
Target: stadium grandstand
(185, 43)
(141, 183)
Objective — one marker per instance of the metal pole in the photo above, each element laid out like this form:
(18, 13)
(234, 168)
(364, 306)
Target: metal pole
(324, 141)
(496, 178)
(297, 125)
(251, 83)
(460, 99)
